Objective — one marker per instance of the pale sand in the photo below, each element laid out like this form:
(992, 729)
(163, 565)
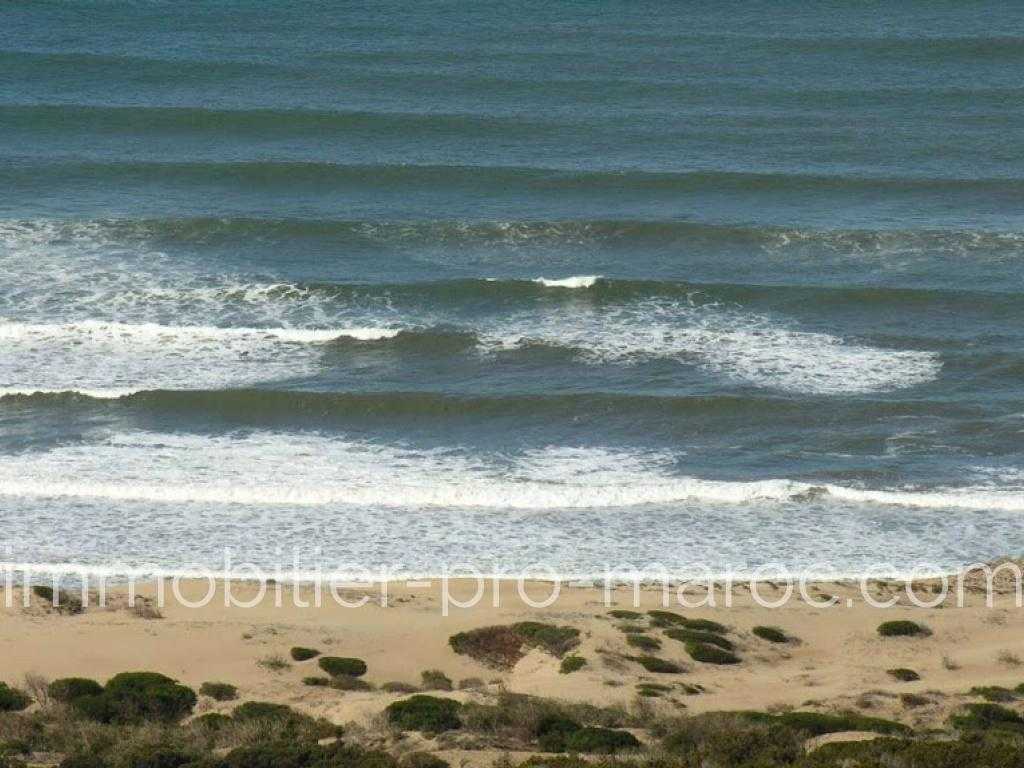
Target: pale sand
(839, 663)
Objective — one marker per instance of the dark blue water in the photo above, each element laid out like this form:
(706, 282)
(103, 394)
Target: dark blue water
(579, 283)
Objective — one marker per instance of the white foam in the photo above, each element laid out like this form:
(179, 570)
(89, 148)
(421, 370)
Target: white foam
(107, 359)
(577, 281)
(728, 341)
(330, 471)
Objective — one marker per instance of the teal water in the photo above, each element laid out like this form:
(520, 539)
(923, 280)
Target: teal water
(580, 284)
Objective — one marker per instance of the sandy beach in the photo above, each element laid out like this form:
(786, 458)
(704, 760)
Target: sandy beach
(834, 659)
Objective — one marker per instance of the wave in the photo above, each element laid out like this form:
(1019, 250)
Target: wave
(578, 281)
(154, 333)
(180, 469)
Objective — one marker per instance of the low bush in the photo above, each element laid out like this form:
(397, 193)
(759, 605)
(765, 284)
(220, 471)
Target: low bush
(399, 687)
(652, 690)
(502, 646)
(913, 700)
(422, 760)
(987, 716)
(61, 600)
(622, 613)
(572, 664)
(288, 754)
(429, 714)
(553, 730)
(666, 618)
(644, 642)
(771, 634)
(473, 683)
(137, 697)
(337, 665)
(350, 683)
(12, 699)
(298, 653)
(711, 654)
(156, 756)
(903, 674)
(905, 753)
(273, 663)
(83, 760)
(994, 693)
(817, 724)
(727, 740)
(684, 635)
(902, 628)
(219, 691)
(706, 625)
(604, 741)
(435, 680)
(262, 710)
(67, 689)
(316, 681)
(660, 666)
(212, 721)
(284, 721)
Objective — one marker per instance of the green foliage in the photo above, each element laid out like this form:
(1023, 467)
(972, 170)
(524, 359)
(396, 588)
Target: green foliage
(661, 666)
(666, 618)
(726, 740)
(984, 717)
(771, 634)
(622, 613)
(652, 690)
(553, 730)
(12, 699)
(157, 756)
(903, 753)
(435, 680)
(817, 724)
(994, 693)
(600, 740)
(423, 760)
(298, 653)
(219, 691)
(902, 628)
(705, 625)
(67, 689)
(262, 710)
(349, 683)
(711, 654)
(644, 642)
(429, 714)
(289, 754)
(338, 665)
(571, 664)
(502, 646)
(317, 681)
(61, 600)
(83, 760)
(399, 687)
(684, 635)
(212, 721)
(903, 674)
(133, 697)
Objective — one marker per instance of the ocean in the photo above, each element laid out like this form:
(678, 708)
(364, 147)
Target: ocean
(561, 286)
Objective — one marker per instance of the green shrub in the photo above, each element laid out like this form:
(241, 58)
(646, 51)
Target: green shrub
(622, 613)
(984, 717)
(61, 600)
(902, 628)
(661, 666)
(83, 760)
(905, 753)
(771, 634)
(337, 665)
(552, 731)
(298, 653)
(219, 691)
(652, 690)
(727, 740)
(429, 714)
(571, 664)
(289, 754)
(435, 680)
(554, 639)
(12, 699)
(706, 625)
(912, 700)
(502, 646)
(423, 760)
(994, 693)
(317, 681)
(711, 654)
(143, 696)
(399, 687)
(903, 674)
(684, 635)
(817, 724)
(666, 618)
(644, 642)
(262, 710)
(156, 756)
(212, 721)
(349, 683)
(600, 740)
(67, 689)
